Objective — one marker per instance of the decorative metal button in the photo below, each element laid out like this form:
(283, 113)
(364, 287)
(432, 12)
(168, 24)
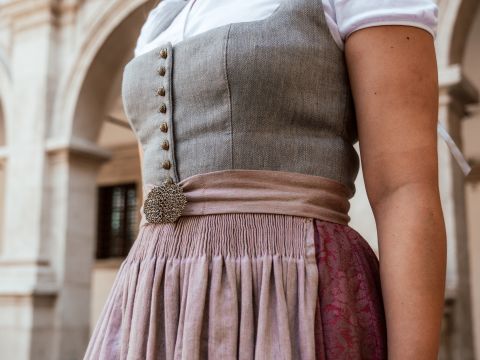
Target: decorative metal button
(163, 53)
(165, 203)
(161, 70)
(166, 164)
(161, 91)
(163, 108)
(165, 144)
(164, 127)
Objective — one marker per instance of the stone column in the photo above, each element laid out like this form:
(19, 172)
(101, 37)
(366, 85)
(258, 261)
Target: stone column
(455, 94)
(471, 133)
(27, 286)
(50, 197)
(70, 203)
(44, 296)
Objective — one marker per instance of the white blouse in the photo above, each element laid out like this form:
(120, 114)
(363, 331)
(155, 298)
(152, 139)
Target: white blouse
(343, 17)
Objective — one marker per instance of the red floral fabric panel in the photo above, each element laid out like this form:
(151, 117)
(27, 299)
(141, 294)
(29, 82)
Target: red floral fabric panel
(350, 317)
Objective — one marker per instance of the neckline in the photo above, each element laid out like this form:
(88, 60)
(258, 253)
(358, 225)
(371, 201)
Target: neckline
(185, 21)
(280, 8)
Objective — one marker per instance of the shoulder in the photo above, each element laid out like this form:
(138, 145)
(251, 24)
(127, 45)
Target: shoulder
(353, 15)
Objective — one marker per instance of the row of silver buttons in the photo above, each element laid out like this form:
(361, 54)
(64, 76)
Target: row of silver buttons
(165, 202)
(163, 54)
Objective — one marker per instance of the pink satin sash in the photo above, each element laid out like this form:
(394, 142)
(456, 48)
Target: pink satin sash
(264, 191)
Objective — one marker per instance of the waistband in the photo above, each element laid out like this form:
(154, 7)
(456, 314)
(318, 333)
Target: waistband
(251, 191)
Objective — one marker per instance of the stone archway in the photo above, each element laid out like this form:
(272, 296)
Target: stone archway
(470, 138)
(455, 19)
(107, 46)
(456, 95)
(73, 159)
(104, 72)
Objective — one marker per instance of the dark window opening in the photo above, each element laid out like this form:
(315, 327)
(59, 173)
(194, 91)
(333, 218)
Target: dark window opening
(117, 220)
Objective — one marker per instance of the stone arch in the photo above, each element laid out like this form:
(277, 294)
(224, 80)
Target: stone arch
(456, 94)
(455, 19)
(107, 47)
(470, 135)
(87, 92)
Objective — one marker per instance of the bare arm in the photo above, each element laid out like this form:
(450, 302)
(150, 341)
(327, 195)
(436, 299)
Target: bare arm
(393, 73)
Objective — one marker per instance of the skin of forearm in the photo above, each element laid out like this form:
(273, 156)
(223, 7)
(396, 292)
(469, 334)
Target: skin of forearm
(412, 252)
(394, 80)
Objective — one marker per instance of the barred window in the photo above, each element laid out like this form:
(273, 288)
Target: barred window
(117, 223)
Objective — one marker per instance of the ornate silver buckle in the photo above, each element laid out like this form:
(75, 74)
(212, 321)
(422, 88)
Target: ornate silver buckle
(164, 203)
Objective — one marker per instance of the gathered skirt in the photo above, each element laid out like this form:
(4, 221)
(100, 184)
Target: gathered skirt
(244, 286)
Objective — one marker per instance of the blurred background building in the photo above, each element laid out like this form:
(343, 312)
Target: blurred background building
(70, 183)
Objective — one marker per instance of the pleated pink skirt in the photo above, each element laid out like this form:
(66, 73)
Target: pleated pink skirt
(245, 285)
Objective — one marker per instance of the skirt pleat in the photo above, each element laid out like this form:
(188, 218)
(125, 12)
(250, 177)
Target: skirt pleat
(222, 286)
(244, 286)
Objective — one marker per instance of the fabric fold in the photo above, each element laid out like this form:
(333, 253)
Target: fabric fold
(220, 286)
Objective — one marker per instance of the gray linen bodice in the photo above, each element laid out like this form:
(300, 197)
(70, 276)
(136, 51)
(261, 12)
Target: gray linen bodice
(270, 94)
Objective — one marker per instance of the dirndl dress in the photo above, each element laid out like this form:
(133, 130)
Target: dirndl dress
(260, 266)
(255, 123)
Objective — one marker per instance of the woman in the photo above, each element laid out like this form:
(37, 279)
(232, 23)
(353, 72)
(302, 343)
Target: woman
(246, 115)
